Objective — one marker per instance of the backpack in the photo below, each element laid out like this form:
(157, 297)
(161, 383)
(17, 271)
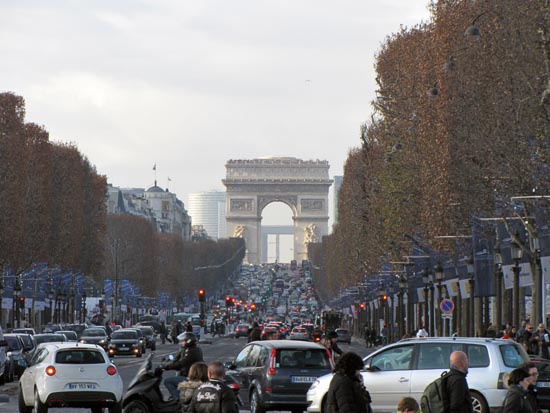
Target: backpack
(434, 398)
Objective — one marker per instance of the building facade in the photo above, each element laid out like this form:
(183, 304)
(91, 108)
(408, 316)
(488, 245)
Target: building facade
(208, 210)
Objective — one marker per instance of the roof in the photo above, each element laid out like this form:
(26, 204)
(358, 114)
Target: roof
(280, 344)
(155, 188)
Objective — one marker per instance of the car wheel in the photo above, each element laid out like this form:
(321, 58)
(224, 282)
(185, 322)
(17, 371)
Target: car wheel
(115, 408)
(324, 405)
(479, 404)
(39, 407)
(136, 406)
(256, 403)
(23, 408)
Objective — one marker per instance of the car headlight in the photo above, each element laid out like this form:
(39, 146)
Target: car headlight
(314, 385)
(101, 341)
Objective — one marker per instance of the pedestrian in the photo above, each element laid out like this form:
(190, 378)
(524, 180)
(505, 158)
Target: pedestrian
(542, 338)
(108, 329)
(330, 343)
(456, 386)
(408, 405)
(188, 354)
(384, 334)
(255, 333)
(528, 340)
(346, 393)
(422, 333)
(530, 368)
(188, 327)
(214, 396)
(213, 328)
(516, 398)
(174, 332)
(198, 374)
(162, 331)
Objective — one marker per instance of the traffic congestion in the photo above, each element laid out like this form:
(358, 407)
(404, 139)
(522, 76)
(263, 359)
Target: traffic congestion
(267, 340)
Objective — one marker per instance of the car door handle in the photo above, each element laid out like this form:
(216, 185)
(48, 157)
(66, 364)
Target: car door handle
(403, 380)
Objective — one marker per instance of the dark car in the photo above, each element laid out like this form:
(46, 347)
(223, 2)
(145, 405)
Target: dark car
(242, 330)
(152, 323)
(95, 335)
(28, 343)
(141, 337)
(44, 338)
(276, 374)
(24, 331)
(70, 334)
(16, 354)
(150, 337)
(125, 342)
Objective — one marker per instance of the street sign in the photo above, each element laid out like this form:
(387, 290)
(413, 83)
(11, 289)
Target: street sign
(447, 306)
(447, 316)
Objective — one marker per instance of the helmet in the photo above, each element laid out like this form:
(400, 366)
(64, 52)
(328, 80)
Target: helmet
(190, 339)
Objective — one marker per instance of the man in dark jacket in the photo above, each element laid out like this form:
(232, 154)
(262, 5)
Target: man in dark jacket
(214, 396)
(255, 333)
(456, 386)
(188, 354)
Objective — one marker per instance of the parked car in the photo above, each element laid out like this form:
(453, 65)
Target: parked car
(95, 335)
(70, 375)
(275, 374)
(242, 330)
(125, 342)
(15, 354)
(405, 368)
(150, 337)
(344, 335)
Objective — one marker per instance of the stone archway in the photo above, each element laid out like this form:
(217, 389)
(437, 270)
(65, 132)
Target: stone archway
(253, 184)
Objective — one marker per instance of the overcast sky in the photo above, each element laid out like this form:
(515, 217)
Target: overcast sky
(189, 84)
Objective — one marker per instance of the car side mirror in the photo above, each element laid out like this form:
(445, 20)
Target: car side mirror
(229, 365)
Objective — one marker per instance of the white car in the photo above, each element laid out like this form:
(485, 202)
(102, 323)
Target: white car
(70, 375)
(405, 368)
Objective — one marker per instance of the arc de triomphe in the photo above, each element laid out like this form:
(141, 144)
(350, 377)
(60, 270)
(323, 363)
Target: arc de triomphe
(253, 184)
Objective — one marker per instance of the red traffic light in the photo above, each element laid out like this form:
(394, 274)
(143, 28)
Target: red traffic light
(384, 298)
(21, 299)
(201, 292)
(362, 306)
(201, 295)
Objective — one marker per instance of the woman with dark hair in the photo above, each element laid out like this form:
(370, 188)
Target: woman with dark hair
(516, 398)
(346, 393)
(198, 374)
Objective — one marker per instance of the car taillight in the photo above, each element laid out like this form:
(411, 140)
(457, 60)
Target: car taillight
(233, 386)
(50, 370)
(111, 370)
(272, 371)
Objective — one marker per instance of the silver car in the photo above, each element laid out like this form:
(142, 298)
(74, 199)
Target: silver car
(405, 368)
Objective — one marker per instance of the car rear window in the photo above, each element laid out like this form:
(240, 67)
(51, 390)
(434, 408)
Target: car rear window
(294, 358)
(79, 356)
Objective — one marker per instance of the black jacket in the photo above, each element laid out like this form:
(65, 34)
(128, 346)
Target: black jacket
(346, 395)
(186, 389)
(184, 359)
(458, 392)
(214, 396)
(516, 401)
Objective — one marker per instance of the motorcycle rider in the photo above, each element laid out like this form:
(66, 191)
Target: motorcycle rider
(188, 354)
(214, 396)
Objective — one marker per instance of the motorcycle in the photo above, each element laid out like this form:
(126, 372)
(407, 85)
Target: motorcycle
(144, 395)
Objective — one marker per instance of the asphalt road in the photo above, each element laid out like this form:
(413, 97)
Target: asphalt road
(222, 349)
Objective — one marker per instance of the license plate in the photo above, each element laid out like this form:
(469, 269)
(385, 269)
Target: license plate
(543, 384)
(302, 379)
(82, 386)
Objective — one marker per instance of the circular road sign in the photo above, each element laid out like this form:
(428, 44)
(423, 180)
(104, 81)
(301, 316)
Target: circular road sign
(447, 306)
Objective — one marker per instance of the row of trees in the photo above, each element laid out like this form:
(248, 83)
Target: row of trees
(458, 127)
(53, 205)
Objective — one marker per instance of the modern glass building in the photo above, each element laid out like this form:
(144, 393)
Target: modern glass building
(208, 209)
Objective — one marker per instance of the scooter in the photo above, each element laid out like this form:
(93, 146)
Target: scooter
(144, 395)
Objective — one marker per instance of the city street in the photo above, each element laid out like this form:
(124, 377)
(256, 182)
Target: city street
(222, 349)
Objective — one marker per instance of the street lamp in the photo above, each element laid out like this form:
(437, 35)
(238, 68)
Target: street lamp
(50, 297)
(404, 319)
(439, 276)
(471, 312)
(83, 310)
(497, 258)
(430, 300)
(1, 294)
(16, 294)
(517, 254)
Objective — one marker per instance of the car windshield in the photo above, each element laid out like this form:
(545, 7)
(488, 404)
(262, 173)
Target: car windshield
(97, 332)
(313, 359)
(13, 343)
(79, 356)
(124, 335)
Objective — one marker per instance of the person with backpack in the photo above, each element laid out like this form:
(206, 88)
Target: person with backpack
(456, 386)
(516, 398)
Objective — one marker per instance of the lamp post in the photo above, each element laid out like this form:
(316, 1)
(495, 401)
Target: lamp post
(83, 309)
(471, 310)
(16, 294)
(498, 282)
(1, 294)
(426, 281)
(403, 315)
(517, 254)
(439, 276)
(50, 297)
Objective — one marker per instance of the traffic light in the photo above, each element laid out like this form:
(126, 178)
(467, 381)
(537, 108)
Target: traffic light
(384, 298)
(22, 302)
(252, 307)
(201, 295)
(228, 301)
(362, 306)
